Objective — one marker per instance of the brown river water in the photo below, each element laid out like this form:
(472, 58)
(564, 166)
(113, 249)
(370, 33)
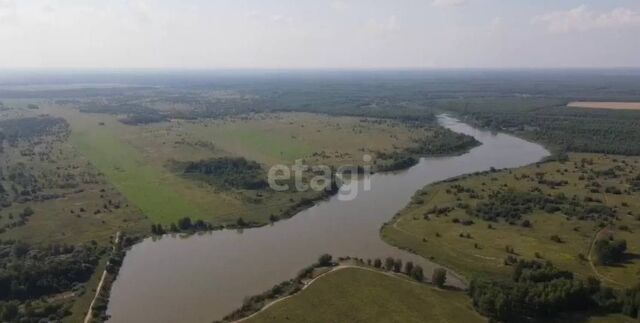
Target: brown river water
(203, 277)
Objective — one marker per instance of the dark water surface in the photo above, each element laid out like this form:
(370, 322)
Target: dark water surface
(204, 277)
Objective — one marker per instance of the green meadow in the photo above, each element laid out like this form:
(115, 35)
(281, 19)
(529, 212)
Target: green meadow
(480, 248)
(359, 295)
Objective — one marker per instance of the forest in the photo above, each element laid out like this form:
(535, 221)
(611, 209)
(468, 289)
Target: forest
(228, 172)
(28, 274)
(561, 127)
(540, 290)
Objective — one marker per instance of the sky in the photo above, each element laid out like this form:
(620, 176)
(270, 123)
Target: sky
(318, 34)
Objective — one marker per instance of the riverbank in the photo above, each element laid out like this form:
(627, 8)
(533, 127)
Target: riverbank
(250, 261)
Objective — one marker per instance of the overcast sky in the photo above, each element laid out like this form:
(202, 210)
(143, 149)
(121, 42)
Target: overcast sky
(319, 33)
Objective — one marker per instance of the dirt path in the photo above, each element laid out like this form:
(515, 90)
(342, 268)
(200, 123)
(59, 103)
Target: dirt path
(89, 315)
(593, 266)
(593, 243)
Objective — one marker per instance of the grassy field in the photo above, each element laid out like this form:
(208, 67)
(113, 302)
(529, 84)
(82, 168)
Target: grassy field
(479, 249)
(88, 207)
(284, 137)
(72, 202)
(137, 159)
(357, 295)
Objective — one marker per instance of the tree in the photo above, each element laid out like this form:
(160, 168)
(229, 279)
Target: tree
(388, 263)
(325, 260)
(397, 265)
(184, 223)
(609, 252)
(377, 263)
(27, 212)
(439, 277)
(408, 267)
(417, 273)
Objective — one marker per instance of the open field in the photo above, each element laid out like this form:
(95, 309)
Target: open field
(606, 105)
(479, 247)
(71, 201)
(138, 159)
(358, 295)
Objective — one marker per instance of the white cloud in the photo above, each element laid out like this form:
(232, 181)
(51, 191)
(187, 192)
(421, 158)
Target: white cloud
(267, 17)
(388, 25)
(583, 18)
(339, 5)
(7, 10)
(448, 3)
(278, 18)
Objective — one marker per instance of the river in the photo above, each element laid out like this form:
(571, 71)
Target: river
(203, 277)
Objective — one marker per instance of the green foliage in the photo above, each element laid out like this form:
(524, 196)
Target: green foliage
(537, 290)
(609, 252)
(229, 172)
(184, 224)
(135, 113)
(569, 129)
(439, 277)
(417, 273)
(444, 141)
(631, 302)
(512, 205)
(325, 260)
(32, 127)
(27, 273)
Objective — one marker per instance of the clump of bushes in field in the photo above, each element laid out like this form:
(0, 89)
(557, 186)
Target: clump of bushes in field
(511, 205)
(609, 252)
(228, 172)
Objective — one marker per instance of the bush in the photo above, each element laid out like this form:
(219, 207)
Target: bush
(609, 252)
(417, 273)
(325, 260)
(439, 277)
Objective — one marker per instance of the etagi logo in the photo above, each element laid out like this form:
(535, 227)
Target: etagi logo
(347, 180)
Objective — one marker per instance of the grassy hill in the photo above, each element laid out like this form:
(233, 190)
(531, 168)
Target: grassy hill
(359, 295)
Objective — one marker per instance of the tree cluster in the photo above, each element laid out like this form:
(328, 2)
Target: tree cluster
(540, 291)
(228, 172)
(609, 252)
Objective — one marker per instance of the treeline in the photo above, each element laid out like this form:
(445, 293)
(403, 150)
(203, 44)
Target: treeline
(441, 142)
(444, 141)
(550, 121)
(29, 128)
(542, 291)
(229, 172)
(28, 274)
(388, 162)
(134, 113)
(121, 243)
(184, 225)
(511, 205)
